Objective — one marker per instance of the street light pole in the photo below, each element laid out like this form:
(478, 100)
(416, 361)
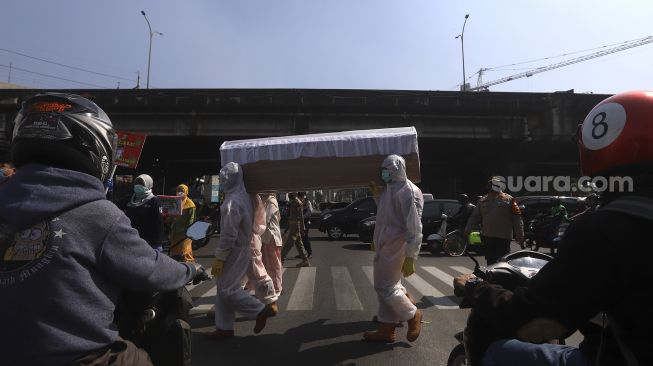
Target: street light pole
(149, 55)
(462, 46)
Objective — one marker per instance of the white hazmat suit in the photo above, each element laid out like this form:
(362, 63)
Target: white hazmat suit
(397, 236)
(235, 250)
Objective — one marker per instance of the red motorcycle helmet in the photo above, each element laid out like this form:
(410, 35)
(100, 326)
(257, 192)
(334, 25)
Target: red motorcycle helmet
(616, 137)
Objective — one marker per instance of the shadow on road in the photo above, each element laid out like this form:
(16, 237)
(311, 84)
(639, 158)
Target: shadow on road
(294, 346)
(361, 246)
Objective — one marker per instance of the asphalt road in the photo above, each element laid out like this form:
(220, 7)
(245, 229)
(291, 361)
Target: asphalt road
(324, 310)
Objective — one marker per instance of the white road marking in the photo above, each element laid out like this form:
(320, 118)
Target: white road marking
(302, 293)
(344, 290)
(460, 269)
(433, 295)
(440, 275)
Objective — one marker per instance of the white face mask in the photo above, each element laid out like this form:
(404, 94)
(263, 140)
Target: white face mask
(181, 194)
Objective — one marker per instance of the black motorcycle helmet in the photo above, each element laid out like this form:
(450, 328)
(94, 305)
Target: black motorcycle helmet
(463, 199)
(64, 131)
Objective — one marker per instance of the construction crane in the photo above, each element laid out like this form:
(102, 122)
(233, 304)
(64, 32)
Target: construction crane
(621, 47)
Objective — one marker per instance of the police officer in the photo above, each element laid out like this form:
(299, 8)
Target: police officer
(499, 217)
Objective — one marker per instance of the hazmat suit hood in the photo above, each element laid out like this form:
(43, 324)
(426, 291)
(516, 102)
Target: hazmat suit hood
(397, 167)
(231, 177)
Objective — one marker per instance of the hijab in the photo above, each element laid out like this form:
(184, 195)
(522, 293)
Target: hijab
(140, 198)
(187, 202)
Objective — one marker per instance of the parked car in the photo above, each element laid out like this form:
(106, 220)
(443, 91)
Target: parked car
(431, 218)
(342, 221)
(531, 206)
(327, 206)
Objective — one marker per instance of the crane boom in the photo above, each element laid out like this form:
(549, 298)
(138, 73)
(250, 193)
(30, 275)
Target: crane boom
(621, 47)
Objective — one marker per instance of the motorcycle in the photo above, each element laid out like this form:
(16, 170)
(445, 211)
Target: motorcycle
(452, 243)
(511, 271)
(543, 232)
(158, 322)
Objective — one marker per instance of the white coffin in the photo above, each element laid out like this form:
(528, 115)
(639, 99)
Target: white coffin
(329, 160)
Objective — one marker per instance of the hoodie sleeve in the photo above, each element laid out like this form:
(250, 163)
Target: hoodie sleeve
(131, 262)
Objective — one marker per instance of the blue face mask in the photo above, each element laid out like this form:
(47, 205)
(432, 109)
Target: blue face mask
(385, 176)
(139, 189)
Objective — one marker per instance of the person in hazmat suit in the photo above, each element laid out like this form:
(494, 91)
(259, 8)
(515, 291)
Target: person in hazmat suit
(257, 275)
(271, 240)
(233, 258)
(397, 240)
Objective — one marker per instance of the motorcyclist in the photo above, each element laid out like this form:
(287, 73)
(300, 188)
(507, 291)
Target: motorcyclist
(66, 252)
(593, 273)
(459, 219)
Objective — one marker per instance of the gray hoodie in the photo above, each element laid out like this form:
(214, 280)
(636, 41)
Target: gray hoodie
(66, 253)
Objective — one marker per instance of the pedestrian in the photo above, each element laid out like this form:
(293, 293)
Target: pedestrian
(295, 231)
(258, 278)
(181, 246)
(307, 211)
(500, 218)
(233, 258)
(271, 240)
(66, 252)
(397, 239)
(144, 212)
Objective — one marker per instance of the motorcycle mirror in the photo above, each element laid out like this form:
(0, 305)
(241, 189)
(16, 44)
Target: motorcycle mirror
(198, 230)
(443, 216)
(522, 207)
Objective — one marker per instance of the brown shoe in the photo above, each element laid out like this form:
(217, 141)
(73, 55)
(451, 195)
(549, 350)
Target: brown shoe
(220, 334)
(414, 326)
(268, 311)
(304, 263)
(385, 333)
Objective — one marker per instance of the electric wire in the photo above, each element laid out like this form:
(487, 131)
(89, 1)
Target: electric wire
(53, 77)
(66, 66)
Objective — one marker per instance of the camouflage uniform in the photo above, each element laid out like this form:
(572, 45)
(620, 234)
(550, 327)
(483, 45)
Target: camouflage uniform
(295, 230)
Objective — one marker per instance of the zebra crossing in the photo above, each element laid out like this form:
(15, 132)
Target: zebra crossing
(428, 284)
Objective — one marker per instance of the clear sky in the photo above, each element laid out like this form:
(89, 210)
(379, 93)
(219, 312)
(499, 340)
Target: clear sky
(339, 44)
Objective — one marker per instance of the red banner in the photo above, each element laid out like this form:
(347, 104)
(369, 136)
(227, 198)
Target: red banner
(130, 146)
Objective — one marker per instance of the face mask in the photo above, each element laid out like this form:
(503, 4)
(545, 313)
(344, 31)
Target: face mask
(385, 175)
(139, 189)
(181, 194)
(4, 173)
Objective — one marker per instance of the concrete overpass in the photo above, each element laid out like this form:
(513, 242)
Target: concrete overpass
(463, 137)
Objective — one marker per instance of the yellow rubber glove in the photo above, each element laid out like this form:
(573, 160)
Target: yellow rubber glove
(217, 267)
(372, 247)
(408, 268)
(375, 188)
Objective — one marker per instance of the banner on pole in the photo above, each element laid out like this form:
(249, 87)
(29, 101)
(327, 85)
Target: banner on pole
(130, 146)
